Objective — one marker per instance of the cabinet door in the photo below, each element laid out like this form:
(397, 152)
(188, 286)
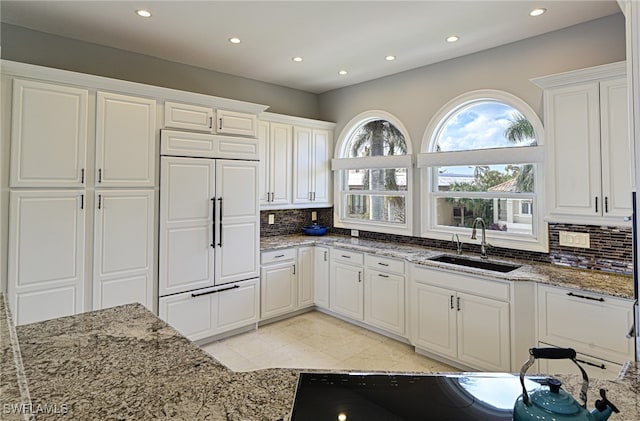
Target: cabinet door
(264, 142)
(278, 290)
(434, 315)
(123, 248)
(48, 135)
(188, 117)
(302, 164)
(46, 254)
(346, 290)
(238, 216)
(186, 251)
(235, 123)
(483, 333)
(238, 306)
(280, 158)
(305, 271)
(321, 276)
(193, 317)
(573, 133)
(321, 176)
(595, 368)
(384, 301)
(616, 150)
(125, 141)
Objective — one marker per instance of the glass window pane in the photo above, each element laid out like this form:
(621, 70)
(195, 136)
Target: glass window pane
(499, 214)
(376, 138)
(512, 178)
(384, 179)
(375, 208)
(485, 125)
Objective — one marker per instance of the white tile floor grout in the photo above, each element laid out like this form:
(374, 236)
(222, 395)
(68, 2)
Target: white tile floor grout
(315, 340)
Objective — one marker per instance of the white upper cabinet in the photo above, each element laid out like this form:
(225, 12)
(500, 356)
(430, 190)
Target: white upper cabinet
(311, 172)
(123, 248)
(276, 163)
(235, 123)
(589, 162)
(188, 117)
(48, 135)
(125, 141)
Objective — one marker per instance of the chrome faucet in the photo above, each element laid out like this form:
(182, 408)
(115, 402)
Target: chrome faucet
(483, 243)
(456, 240)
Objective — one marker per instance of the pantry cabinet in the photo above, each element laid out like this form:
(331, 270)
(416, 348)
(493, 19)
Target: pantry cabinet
(276, 163)
(123, 248)
(593, 324)
(589, 156)
(49, 125)
(46, 260)
(311, 171)
(125, 141)
(463, 318)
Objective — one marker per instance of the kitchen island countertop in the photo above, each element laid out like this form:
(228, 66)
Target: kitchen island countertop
(124, 363)
(595, 281)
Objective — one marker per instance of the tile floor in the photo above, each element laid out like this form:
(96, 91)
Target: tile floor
(315, 340)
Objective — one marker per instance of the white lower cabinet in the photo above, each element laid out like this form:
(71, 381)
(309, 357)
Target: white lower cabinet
(305, 272)
(463, 318)
(384, 293)
(321, 276)
(346, 286)
(595, 367)
(594, 325)
(279, 283)
(211, 311)
(47, 254)
(123, 248)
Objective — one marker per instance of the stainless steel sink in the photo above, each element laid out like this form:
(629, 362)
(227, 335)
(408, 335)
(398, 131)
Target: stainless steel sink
(479, 264)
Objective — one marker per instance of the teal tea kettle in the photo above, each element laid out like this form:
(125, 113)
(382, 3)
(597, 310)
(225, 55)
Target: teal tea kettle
(553, 403)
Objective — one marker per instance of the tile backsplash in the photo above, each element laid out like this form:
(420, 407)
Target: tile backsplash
(610, 247)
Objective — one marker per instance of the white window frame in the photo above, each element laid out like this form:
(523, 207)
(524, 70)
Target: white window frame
(338, 164)
(428, 162)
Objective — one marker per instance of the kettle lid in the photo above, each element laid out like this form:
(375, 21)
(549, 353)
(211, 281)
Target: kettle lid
(554, 399)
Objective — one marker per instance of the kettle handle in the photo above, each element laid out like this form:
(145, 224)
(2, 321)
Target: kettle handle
(553, 354)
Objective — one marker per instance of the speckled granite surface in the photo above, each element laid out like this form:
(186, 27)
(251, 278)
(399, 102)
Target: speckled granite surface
(124, 363)
(587, 280)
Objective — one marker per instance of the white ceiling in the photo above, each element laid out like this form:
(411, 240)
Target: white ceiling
(330, 35)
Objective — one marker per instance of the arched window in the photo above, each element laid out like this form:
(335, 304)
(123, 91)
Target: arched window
(482, 158)
(373, 175)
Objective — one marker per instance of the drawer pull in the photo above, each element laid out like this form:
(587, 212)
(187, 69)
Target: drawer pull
(217, 290)
(600, 366)
(571, 294)
(278, 256)
(345, 256)
(382, 275)
(383, 264)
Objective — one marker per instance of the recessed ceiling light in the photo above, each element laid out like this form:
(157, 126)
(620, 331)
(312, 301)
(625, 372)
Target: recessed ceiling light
(143, 13)
(390, 58)
(234, 40)
(297, 59)
(453, 38)
(342, 72)
(537, 12)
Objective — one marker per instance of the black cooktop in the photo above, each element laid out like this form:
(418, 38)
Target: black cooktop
(407, 397)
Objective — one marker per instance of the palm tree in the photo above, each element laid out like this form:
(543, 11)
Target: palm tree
(521, 130)
(373, 139)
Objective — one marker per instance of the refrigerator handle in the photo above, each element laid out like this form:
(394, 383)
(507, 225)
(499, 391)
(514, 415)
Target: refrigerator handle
(213, 223)
(220, 222)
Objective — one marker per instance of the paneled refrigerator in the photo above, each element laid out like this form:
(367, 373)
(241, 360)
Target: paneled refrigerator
(209, 234)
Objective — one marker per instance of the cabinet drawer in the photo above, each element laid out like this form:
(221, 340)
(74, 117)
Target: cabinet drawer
(590, 323)
(595, 368)
(462, 282)
(384, 264)
(276, 256)
(347, 256)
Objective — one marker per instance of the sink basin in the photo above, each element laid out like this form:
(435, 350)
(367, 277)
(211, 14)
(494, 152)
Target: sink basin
(479, 264)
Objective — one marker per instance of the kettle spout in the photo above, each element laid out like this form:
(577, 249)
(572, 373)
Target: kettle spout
(604, 408)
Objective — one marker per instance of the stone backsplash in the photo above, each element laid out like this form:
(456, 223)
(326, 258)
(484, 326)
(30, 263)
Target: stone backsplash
(610, 247)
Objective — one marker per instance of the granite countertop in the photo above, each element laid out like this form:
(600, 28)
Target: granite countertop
(124, 363)
(587, 280)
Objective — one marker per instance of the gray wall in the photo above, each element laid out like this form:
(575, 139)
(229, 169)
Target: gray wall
(28, 46)
(416, 95)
